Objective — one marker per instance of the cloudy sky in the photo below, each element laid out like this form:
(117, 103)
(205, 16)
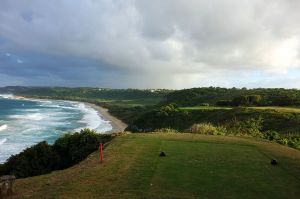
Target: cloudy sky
(150, 44)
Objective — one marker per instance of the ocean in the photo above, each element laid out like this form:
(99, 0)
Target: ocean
(25, 122)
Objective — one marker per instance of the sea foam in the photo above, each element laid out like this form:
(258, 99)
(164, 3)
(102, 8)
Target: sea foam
(3, 127)
(2, 141)
(25, 122)
(91, 117)
(7, 96)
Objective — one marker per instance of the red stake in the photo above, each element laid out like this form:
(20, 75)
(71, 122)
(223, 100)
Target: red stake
(100, 153)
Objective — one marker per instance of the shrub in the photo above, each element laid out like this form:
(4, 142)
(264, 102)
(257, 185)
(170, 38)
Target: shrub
(203, 128)
(224, 103)
(246, 100)
(204, 104)
(293, 141)
(2, 168)
(168, 116)
(222, 130)
(167, 130)
(250, 127)
(36, 160)
(283, 141)
(43, 158)
(73, 148)
(271, 135)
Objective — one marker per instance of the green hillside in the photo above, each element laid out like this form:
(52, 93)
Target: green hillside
(283, 120)
(124, 97)
(235, 96)
(196, 166)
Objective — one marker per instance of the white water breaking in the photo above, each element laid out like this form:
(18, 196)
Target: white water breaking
(26, 122)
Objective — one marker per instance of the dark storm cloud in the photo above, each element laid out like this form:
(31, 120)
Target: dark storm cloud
(179, 43)
(43, 69)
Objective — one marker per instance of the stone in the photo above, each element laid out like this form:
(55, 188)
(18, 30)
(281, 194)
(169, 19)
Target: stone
(274, 162)
(162, 154)
(6, 185)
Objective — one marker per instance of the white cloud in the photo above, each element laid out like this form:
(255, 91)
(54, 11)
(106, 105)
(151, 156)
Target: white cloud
(173, 41)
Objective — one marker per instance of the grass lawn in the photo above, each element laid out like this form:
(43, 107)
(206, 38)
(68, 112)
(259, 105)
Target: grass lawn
(131, 102)
(279, 109)
(205, 108)
(196, 166)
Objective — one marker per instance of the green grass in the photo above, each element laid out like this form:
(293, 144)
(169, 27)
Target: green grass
(279, 109)
(135, 102)
(196, 166)
(205, 108)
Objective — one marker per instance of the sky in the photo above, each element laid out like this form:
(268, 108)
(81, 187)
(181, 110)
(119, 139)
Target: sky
(150, 44)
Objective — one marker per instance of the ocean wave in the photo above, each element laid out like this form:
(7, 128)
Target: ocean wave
(49, 106)
(90, 117)
(7, 96)
(28, 110)
(27, 125)
(32, 116)
(2, 141)
(3, 127)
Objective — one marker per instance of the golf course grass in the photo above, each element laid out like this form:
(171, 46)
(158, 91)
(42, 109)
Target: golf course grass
(196, 166)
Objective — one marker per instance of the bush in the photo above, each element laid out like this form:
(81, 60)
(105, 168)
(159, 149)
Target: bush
(224, 103)
(43, 158)
(246, 100)
(222, 130)
(2, 168)
(168, 116)
(250, 127)
(204, 104)
(294, 142)
(283, 141)
(271, 135)
(203, 128)
(167, 130)
(73, 148)
(35, 160)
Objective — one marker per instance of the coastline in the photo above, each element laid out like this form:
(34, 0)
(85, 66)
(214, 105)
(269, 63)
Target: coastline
(117, 125)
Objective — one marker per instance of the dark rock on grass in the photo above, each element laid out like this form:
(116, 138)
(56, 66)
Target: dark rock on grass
(274, 162)
(162, 154)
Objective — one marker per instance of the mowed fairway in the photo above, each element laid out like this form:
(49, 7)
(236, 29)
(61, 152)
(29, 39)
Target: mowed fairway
(196, 166)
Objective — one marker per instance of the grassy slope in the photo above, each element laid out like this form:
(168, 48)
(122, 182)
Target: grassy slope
(285, 120)
(196, 166)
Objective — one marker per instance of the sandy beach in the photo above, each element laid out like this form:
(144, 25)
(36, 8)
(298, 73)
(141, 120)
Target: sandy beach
(117, 125)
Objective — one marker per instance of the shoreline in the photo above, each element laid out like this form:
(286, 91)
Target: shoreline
(117, 125)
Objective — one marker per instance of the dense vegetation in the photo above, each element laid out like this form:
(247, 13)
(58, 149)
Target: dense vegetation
(235, 96)
(43, 158)
(152, 110)
(236, 121)
(89, 93)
